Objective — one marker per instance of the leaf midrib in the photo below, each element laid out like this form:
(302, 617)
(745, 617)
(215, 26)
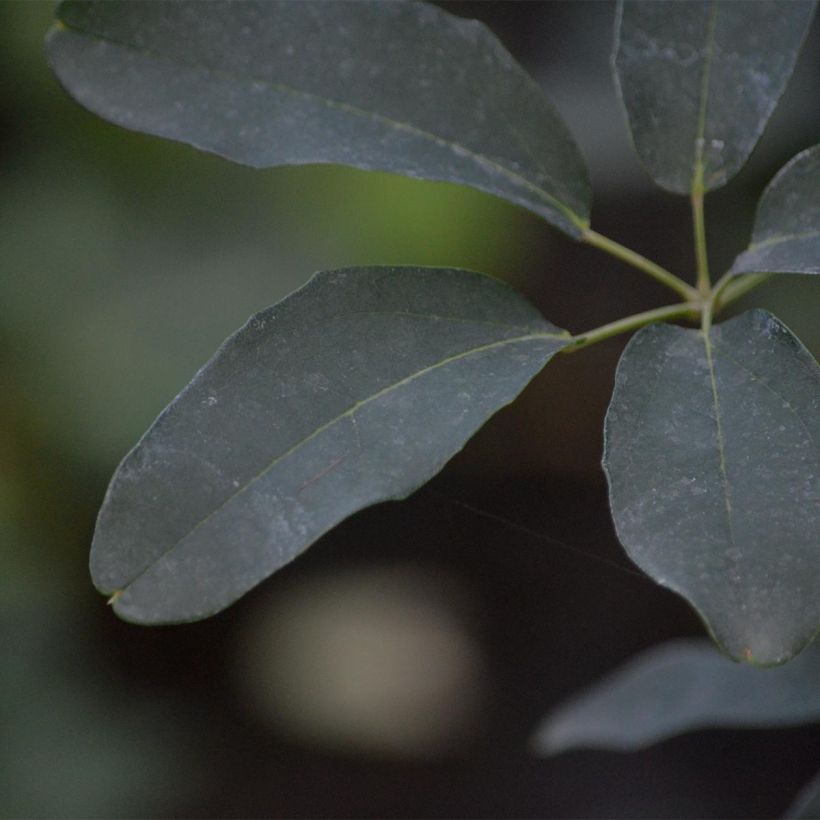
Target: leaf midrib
(699, 169)
(721, 444)
(349, 412)
(480, 159)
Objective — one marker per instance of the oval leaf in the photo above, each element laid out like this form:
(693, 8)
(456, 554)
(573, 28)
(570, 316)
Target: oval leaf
(712, 457)
(699, 80)
(399, 87)
(786, 235)
(353, 390)
(680, 687)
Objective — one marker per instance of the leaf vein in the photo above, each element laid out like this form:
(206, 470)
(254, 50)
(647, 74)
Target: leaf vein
(461, 319)
(350, 412)
(721, 443)
(699, 169)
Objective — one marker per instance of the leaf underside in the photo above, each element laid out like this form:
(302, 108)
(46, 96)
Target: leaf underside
(355, 389)
(679, 687)
(786, 234)
(712, 457)
(699, 81)
(398, 87)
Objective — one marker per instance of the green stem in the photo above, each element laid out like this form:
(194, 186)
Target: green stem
(641, 262)
(704, 282)
(706, 318)
(734, 287)
(721, 285)
(633, 322)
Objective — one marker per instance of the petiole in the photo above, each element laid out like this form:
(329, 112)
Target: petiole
(629, 256)
(690, 310)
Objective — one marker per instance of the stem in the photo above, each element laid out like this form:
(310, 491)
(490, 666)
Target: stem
(641, 262)
(721, 284)
(706, 318)
(735, 287)
(704, 282)
(633, 322)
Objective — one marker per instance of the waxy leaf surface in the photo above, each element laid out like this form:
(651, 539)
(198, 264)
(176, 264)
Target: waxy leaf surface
(681, 687)
(712, 457)
(786, 235)
(399, 87)
(699, 80)
(355, 389)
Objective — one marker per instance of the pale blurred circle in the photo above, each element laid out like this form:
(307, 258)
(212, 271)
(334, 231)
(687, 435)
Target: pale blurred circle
(375, 659)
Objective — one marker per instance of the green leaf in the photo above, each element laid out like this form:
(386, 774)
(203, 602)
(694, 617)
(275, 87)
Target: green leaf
(399, 87)
(699, 80)
(786, 235)
(355, 389)
(679, 687)
(711, 452)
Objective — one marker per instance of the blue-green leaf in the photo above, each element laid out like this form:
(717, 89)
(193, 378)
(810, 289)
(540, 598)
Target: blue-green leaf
(712, 452)
(355, 389)
(399, 87)
(699, 81)
(786, 235)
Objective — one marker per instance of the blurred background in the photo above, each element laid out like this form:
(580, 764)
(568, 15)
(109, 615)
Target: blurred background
(399, 667)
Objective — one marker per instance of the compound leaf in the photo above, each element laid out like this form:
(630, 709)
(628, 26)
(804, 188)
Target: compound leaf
(399, 87)
(699, 81)
(353, 390)
(786, 235)
(682, 686)
(713, 462)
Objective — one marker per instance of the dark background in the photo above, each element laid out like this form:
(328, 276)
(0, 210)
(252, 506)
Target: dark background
(400, 666)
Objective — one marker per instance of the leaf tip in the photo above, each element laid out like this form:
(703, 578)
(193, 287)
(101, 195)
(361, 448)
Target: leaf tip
(113, 599)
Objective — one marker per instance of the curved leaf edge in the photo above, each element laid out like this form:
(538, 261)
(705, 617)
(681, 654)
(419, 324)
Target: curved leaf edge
(625, 113)
(749, 659)
(562, 217)
(114, 595)
(543, 741)
(741, 266)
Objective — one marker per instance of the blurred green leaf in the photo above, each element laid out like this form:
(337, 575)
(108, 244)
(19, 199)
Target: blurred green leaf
(678, 687)
(399, 87)
(699, 81)
(354, 390)
(75, 743)
(711, 452)
(98, 259)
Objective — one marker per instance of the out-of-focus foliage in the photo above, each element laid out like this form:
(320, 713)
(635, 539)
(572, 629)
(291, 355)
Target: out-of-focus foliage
(682, 686)
(75, 741)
